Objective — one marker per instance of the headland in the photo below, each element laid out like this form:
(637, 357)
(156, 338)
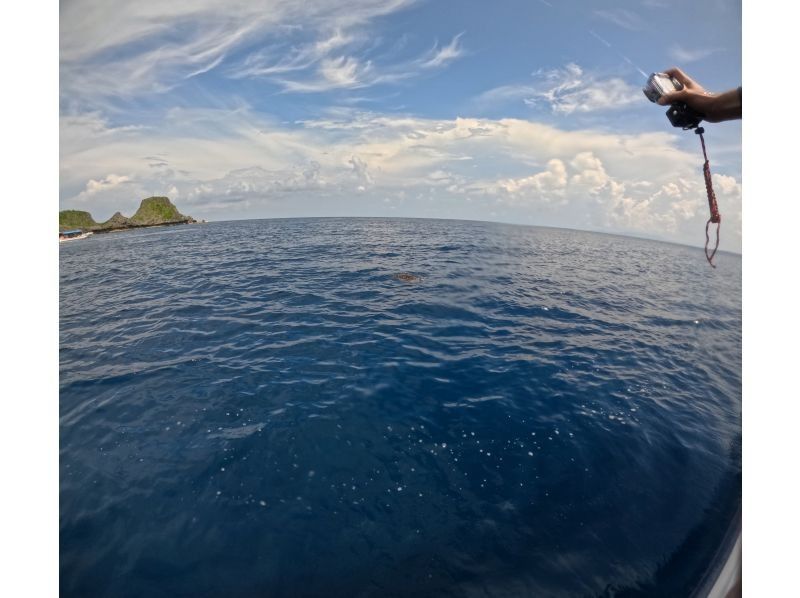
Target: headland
(153, 211)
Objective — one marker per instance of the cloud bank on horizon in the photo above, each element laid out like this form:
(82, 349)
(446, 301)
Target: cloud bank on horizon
(524, 112)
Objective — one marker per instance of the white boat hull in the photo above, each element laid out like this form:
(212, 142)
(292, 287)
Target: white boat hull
(75, 238)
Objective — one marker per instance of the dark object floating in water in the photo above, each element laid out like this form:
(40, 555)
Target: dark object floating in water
(406, 277)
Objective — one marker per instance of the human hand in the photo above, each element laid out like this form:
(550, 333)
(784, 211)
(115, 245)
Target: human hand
(713, 107)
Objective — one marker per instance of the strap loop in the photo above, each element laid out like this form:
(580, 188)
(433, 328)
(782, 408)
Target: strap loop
(713, 208)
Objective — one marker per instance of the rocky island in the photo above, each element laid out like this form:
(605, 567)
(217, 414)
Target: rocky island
(153, 211)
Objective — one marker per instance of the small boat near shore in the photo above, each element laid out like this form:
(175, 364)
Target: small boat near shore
(72, 235)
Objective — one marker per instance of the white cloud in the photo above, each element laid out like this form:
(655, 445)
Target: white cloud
(682, 55)
(105, 184)
(441, 56)
(566, 91)
(361, 171)
(727, 184)
(627, 19)
(90, 28)
(263, 63)
(140, 59)
(590, 174)
(256, 181)
(342, 72)
(317, 70)
(505, 93)
(523, 171)
(118, 49)
(541, 185)
(570, 89)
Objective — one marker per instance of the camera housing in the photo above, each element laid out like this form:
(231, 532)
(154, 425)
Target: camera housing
(679, 114)
(659, 84)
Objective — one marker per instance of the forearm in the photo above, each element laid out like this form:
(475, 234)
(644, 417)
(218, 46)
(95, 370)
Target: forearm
(725, 106)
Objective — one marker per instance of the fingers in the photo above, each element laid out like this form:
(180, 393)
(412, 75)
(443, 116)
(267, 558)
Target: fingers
(676, 96)
(685, 79)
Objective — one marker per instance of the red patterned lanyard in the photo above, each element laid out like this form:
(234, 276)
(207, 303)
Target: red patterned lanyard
(712, 200)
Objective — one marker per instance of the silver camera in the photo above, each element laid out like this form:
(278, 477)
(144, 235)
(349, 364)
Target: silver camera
(659, 84)
(679, 113)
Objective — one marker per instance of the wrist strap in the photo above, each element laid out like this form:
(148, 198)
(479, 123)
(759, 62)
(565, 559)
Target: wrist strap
(713, 209)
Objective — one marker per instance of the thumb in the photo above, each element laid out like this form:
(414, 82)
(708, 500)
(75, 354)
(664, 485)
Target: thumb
(675, 96)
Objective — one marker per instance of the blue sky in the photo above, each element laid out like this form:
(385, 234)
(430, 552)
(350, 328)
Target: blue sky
(525, 112)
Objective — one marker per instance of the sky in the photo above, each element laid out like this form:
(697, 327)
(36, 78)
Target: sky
(527, 112)
(110, 119)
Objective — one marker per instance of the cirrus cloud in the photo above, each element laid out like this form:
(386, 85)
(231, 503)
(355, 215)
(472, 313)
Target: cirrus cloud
(567, 90)
(114, 52)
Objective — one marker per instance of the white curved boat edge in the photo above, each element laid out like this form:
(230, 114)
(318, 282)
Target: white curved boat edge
(73, 235)
(729, 581)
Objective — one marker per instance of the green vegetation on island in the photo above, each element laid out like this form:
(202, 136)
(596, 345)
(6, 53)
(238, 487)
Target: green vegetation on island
(157, 210)
(153, 211)
(70, 219)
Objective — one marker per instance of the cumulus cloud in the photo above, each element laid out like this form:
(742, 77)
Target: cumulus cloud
(361, 172)
(727, 184)
(105, 184)
(541, 186)
(523, 171)
(590, 173)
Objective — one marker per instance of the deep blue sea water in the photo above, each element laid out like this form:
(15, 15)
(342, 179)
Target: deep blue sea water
(260, 408)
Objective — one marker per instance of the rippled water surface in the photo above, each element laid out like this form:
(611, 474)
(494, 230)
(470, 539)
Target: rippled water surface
(263, 408)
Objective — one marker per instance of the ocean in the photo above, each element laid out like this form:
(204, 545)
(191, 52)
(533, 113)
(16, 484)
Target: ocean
(265, 408)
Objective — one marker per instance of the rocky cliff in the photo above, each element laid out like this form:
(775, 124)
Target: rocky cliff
(153, 211)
